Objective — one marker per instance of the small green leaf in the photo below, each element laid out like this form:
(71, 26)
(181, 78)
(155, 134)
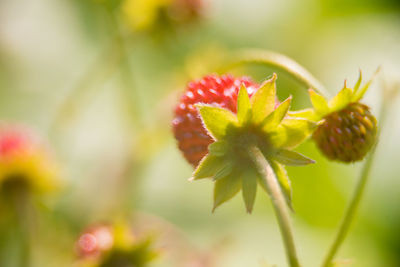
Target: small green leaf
(291, 132)
(263, 101)
(208, 167)
(216, 120)
(218, 148)
(292, 158)
(224, 171)
(249, 189)
(342, 99)
(275, 118)
(226, 188)
(319, 103)
(308, 114)
(244, 106)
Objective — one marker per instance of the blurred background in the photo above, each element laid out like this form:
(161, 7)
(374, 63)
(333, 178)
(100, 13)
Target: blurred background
(98, 81)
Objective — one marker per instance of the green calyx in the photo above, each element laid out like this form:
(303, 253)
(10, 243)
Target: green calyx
(322, 107)
(259, 123)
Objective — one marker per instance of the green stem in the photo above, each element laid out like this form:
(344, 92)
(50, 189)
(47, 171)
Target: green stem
(354, 203)
(350, 211)
(280, 62)
(278, 201)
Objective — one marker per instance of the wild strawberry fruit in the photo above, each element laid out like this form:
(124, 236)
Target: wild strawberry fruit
(347, 130)
(107, 245)
(215, 112)
(220, 91)
(24, 161)
(95, 240)
(347, 135)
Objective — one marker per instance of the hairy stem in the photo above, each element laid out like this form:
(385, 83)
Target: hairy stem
(278, 201)
(280, 62)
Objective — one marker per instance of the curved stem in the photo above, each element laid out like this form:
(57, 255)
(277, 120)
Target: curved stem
(278, 201)
(350, 211)
(279, 61)
(354, 203)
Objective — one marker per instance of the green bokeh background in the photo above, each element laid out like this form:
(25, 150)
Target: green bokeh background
(121, 120)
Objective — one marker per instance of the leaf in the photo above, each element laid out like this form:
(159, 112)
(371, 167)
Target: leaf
(308, 114)
(292, 158)
(224, 171)
(263, 101)
(275, 118)
(208, 167)
(226, 188)
(249, 188)
(218, 148)
(319, 103)
(342, 99)
(291, 132)
(244, 106)
(216, 120)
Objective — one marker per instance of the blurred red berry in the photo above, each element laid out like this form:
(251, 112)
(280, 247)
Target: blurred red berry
(95, 240)
(221, 91)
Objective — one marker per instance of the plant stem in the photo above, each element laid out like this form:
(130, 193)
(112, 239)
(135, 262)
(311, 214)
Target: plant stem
(357, 195)
(279, 61)
(278, 201)
(350, 211)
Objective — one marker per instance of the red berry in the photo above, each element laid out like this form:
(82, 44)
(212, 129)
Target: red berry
(221, 91)
(95, 240)
(13, 141)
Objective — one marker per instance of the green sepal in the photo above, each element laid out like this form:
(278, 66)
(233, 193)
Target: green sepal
(342, 99)
(274, 119)
(307, 113)
(216, 120)
(291, 158)
(208, 167)
(263, 101)
(292, 132)
(225, 170)
(358, 83)
(218, 148)
(249, 188)
(226, 188)
(243, 106)
(319, 103)
(359, 94)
